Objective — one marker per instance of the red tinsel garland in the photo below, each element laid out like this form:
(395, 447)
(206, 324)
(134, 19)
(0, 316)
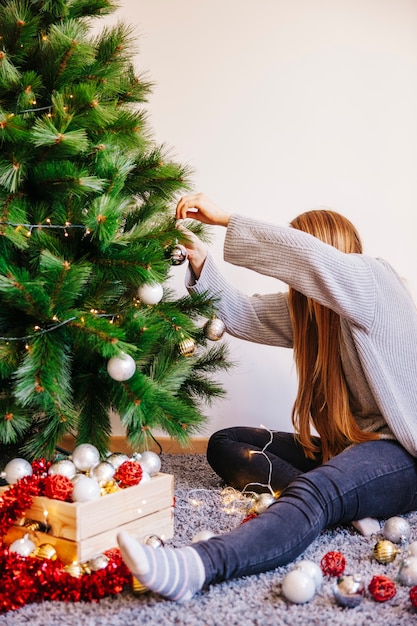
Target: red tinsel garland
(29, 579)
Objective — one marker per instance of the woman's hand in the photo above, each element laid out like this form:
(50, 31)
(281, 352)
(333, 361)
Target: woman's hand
(199, 207)
(196, 250)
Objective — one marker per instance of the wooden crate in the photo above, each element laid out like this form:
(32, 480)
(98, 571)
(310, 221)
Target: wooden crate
(81, 530)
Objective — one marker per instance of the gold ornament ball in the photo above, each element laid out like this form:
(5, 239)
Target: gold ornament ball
(45, 551)
(186, 347)
(137, 587)
(385, 551)
(74, 569)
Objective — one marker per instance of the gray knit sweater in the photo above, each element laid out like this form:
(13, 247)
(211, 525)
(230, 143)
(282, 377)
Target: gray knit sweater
(378, 316)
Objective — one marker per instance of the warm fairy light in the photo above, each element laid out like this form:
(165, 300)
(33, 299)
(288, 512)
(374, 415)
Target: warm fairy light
(268, 460)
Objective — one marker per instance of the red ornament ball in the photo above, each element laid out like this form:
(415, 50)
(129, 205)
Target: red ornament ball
(382, 588)
(333, 564)
(58, 487)
(413, 596)
(129, 473)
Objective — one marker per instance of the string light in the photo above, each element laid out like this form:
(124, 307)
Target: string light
(48, 224)
(39, 331)
(263, 453)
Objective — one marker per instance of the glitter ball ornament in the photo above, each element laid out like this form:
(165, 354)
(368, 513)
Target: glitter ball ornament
(150, 462)
(178, 254)
(333, 564)
(187, 347)
(85, 490)
(385, 551)
(349, 590)
(150, 293)
(382, 588)
(64, 467)
(85, 456)
(23, 546)
(396, 529)
(312, 569)
(121, 367)
(408, 571)
(298, 587)
(15, 470)
(102, 473)
(214, 329)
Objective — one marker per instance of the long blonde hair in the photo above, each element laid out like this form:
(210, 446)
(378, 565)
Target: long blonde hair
(322, 399)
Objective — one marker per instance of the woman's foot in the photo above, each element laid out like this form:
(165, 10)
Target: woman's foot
(175, 573)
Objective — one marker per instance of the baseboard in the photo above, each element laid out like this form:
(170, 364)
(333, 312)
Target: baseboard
(197, 445)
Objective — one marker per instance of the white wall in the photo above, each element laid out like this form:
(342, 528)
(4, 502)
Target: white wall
(281, 106)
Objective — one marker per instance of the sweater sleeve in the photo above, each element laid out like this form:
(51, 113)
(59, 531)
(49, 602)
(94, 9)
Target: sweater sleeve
(261, 319)
(342, 282)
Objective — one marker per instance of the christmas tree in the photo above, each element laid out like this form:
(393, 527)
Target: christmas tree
(88, 239)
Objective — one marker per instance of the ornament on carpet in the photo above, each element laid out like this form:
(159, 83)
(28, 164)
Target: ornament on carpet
(382, 588)
(333, 563)
(349, 590)
(407, 574)
(385, 551)
(298, 586)
(396, 529)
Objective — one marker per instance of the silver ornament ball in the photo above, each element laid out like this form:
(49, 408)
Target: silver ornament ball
(85, 456)
(349, 590)
(396, 529)
(116, 459)
(150, 293)
(262, 502)
(102, 473)
(298, 587)
(23, 546)
(178, 254)
(408, 571)
(150, 462)
(85, 489)
(312, 569)
(64, 467)
(214, 329)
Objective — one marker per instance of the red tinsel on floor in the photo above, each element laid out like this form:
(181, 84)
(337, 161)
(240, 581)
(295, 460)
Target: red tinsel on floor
(26, 580)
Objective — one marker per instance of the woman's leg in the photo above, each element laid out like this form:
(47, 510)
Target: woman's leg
(373, 479)
(377, 478)
(234, 454)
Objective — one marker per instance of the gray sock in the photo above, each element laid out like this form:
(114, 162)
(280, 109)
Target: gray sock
(175, 573)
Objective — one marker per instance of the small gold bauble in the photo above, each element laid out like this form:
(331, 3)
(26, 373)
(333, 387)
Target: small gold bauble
(137, 586)
(385, 551)
(186, 347)
(74, 569)
(45, 551)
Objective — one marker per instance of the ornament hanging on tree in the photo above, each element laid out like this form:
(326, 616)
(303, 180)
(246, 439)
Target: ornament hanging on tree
(150, 293)
(121, 367)
(214, 329)
(178, 254)
(187, 346)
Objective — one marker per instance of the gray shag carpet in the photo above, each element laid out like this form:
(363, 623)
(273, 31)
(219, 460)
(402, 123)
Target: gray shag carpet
(202, 504)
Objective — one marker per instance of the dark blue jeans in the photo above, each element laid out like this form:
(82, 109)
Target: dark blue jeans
(373, 479)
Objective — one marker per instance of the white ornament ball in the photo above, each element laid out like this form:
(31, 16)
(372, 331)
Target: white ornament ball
(298, 587)
(121, 367)
(64, 467)
(85, 489)
(145, 477)
(313, 570)
(85, 456)
(412, 549)
(116, 459)
(408, 571)
(151, 293)
(23, 546)
(396, 529)
(16, 469)
(203, 535)
(150, 462)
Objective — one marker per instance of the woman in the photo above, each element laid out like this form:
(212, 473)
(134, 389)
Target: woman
(353, 327)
